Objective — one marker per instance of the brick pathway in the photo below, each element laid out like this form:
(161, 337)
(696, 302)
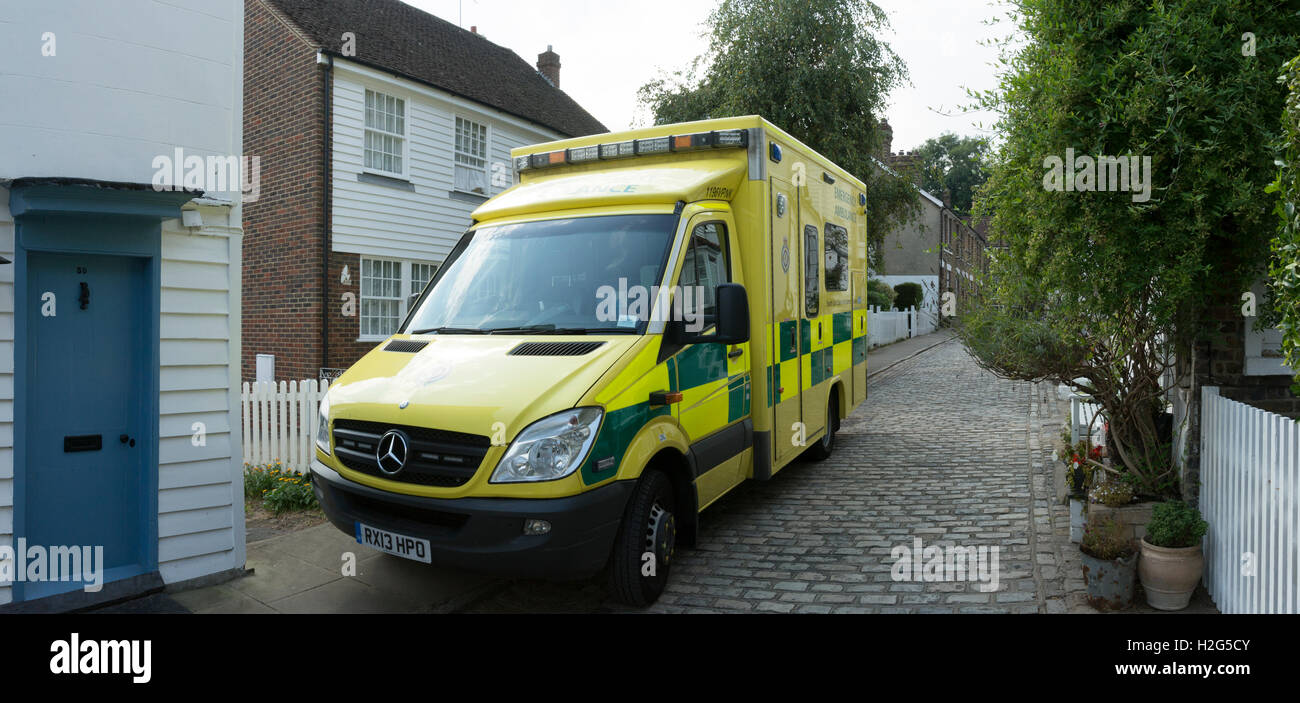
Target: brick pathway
(942, 451)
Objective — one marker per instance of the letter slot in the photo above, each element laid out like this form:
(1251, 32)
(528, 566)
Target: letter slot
(83, 443)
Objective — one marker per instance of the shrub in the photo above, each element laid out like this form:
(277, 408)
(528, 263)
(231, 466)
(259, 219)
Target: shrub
(291, 494)
(260, 479)
(1105, 540)
(1089, 284)
(908, 295)
(279, 490)
(1285, 282)
(1111, 491)
(1175, 524)
(879, 294)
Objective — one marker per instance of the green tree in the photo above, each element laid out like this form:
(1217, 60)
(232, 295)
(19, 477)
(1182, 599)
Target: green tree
(954, 164)
(815, 68)
(908, 295)
(1285, 269)
(879, 294)
(1098, 290)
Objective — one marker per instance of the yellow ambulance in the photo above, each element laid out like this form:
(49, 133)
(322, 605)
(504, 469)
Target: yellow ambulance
(642, 322)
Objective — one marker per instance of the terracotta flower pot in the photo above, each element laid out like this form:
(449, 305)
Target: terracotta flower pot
(1169, 574)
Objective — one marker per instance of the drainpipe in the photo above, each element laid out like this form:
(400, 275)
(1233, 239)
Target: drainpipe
(326, 156)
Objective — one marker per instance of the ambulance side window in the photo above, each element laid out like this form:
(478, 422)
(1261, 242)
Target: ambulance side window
(707, 264)
(837, 257)
(811, 286)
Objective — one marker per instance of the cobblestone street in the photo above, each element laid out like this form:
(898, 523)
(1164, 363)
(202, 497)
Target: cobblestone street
(942, 451)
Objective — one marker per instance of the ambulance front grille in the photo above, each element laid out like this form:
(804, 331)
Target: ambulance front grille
(434, 458)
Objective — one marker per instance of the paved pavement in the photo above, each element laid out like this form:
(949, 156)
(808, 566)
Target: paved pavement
(942, 452)
(303, 572)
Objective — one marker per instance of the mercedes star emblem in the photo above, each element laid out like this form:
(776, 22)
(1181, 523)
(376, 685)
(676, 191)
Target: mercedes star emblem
(391, 452)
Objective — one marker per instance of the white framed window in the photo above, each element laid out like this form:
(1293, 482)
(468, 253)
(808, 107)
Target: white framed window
(381, 297)
(385, 134)
(471, 157)
(420, 276)
(388, 289)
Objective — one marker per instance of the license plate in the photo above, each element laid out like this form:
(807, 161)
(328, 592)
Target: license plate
(412, 548)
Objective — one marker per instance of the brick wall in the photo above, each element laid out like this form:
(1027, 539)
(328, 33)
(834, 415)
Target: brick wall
(283, 104)
(1220, 361)
(344, 349)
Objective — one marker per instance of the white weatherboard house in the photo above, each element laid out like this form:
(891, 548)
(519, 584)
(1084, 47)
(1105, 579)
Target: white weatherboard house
(119, 298)
(404, 124)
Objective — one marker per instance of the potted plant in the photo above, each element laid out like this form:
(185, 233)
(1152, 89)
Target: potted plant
(1171, 561)
(1109, 564)
(1078, 475)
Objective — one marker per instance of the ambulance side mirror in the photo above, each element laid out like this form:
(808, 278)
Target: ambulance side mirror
(732, 323)
(733, 314)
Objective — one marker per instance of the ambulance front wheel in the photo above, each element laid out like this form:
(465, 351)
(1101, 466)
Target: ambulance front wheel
(643, 549)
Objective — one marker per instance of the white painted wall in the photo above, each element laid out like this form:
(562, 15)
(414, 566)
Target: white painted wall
(424, 224)
(200, 488)
(132, 80)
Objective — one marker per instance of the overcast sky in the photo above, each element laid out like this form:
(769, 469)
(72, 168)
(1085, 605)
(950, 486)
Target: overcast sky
(608, 49)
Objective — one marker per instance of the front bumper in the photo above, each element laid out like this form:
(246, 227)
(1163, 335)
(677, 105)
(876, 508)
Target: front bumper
(486, 534)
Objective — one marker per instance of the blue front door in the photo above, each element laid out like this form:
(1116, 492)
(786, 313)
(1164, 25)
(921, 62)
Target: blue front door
(87, 433)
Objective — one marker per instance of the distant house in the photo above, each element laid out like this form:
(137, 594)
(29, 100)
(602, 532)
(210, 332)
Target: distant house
(380, 128)
(939, 249)
(119, 299)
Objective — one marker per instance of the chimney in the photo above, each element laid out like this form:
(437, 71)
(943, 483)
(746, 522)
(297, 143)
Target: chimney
(473, 28)
(548, 64)
(886, 140)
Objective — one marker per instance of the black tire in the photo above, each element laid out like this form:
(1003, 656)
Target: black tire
(822, 450)
(648, 527)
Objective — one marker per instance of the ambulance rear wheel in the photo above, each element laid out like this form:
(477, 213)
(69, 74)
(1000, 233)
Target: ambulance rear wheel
(822, 450)
(643, 549)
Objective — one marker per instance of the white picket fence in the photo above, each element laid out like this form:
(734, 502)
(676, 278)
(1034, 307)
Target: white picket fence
(280, 422)
(889, 326)
(1250, 496)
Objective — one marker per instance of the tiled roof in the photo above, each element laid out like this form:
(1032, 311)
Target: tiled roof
(400, 39)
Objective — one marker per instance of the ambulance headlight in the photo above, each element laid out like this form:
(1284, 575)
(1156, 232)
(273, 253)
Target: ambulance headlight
(551, 448)
(323, 425)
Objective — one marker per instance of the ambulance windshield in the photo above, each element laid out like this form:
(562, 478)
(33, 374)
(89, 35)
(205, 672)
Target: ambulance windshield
(550, 277)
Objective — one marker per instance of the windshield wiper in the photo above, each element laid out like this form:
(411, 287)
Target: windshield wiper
(538, 329)
(450, 330)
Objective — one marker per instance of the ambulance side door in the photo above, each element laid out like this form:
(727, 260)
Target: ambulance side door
(713, 378)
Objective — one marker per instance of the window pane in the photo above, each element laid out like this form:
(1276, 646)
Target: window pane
(385, 121)
(564, 273)
(837, 258)
(811, 270)
(380, 287)
(470, 156)
(705, 266)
